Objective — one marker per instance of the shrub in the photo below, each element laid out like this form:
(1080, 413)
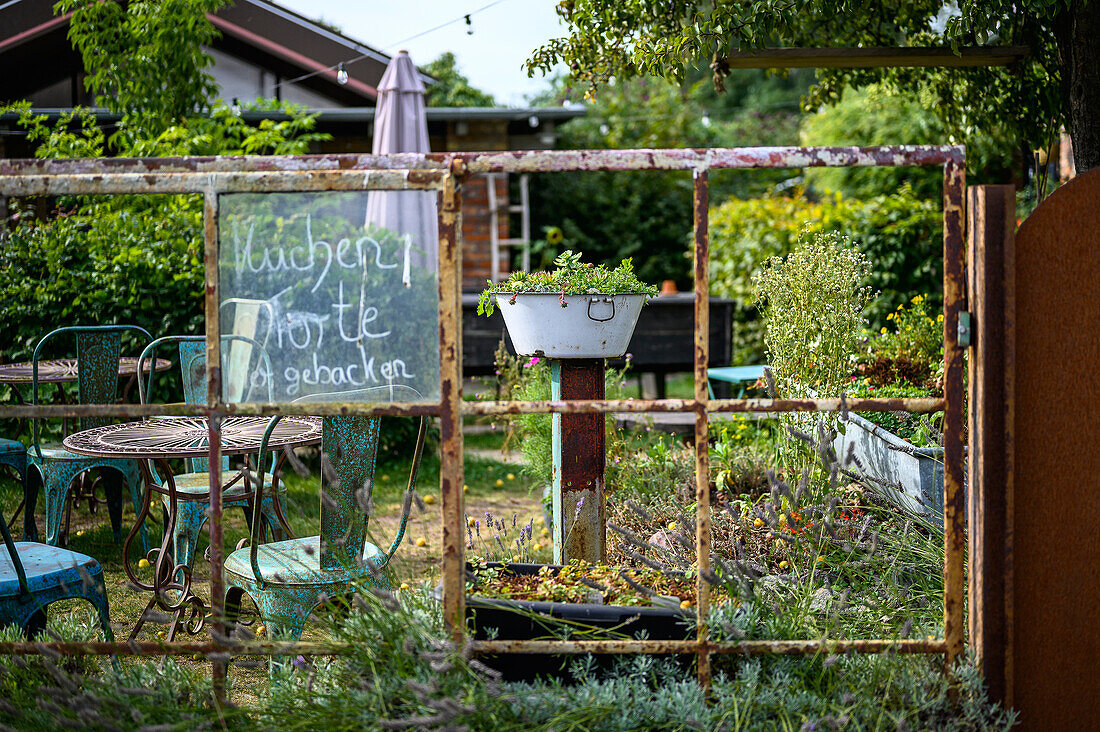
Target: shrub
(901, 235)
(812, 304)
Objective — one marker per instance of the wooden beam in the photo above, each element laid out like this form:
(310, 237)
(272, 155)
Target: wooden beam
(866, 58)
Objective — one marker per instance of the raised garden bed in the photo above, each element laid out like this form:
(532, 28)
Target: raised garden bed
(910, 476)
(493, 618)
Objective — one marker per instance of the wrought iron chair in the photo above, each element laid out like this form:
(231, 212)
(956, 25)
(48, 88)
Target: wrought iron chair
(289, 579)
(193, 486)
(33, 575)
(98, 350)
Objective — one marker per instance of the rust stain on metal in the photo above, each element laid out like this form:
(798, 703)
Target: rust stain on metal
(582, 531)
(450, 416)
(760, 647)
(213, 175)
(954, 302)
(921, 406)
(701, 227)
(992, 213)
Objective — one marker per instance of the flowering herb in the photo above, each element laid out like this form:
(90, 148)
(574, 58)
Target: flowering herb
(572, 277)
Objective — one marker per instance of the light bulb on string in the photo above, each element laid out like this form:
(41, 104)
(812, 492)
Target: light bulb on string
(705, 120)
(342, 73)
(235, 108)
(469, 26)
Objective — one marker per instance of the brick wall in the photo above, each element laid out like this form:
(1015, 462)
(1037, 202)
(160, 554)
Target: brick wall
(477, 260)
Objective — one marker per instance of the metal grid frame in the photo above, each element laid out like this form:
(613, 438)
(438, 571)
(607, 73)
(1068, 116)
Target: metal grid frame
(445, 172)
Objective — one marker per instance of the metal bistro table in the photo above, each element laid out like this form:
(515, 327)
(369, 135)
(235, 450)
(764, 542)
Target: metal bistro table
(60, 370)
(158, 439)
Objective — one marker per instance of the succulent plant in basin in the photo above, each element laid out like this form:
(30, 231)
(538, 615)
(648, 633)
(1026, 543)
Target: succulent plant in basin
(597, 308)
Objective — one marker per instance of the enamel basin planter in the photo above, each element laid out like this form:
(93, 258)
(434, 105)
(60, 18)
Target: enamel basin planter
(570, 326)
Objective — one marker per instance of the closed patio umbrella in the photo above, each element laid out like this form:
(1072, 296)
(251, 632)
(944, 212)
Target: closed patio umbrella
(401, 125)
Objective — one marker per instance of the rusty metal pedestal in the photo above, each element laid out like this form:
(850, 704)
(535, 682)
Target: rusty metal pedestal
(580, 527)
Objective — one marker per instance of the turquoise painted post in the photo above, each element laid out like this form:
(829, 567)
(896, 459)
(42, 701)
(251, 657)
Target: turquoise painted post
(579, 454)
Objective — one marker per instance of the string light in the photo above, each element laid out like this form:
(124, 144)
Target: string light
(342, 73)
(360, 57)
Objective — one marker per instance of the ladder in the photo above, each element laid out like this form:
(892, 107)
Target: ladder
(523, 208)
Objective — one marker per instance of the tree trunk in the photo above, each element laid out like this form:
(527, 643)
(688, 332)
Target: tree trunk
(1077, 30)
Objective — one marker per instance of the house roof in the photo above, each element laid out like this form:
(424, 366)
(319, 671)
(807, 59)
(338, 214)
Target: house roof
(260, 32)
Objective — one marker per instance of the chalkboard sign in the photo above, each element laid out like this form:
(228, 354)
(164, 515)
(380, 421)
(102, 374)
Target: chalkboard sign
(336, 304)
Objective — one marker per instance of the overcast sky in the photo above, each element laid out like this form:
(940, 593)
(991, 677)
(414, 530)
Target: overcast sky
(504, 35)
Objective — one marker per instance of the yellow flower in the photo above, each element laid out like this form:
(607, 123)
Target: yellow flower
(685, 604)
(471, 521)
(819, 559)
(515, 557)
(429, 499)
(783, 564)
(758, 523)
(403, 586)
(511, 476)
(917, 300)
(890, 316)
(540, 520)
(939, 318)
(422, 541)
(671, 525)
(499, 483)
(883, 330)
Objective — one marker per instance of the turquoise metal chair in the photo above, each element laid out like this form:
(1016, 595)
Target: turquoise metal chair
(34, 575)
(193, 486)
(98, 351)
(287, 580)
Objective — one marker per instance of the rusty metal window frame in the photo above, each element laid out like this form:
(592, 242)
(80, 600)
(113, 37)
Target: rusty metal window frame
(446, 172)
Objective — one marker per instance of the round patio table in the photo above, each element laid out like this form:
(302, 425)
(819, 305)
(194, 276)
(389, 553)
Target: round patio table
(157, 440)
(60, 370)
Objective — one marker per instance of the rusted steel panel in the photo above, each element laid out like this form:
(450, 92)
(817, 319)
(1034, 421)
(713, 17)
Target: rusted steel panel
(991, 233)
(255, 182)
(580, 515)
(954, 508)
(760, 647)
(450, 416)
(701, 226)
(1055, 463)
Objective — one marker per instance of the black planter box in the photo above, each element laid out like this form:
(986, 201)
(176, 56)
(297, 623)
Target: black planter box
(496, 619)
